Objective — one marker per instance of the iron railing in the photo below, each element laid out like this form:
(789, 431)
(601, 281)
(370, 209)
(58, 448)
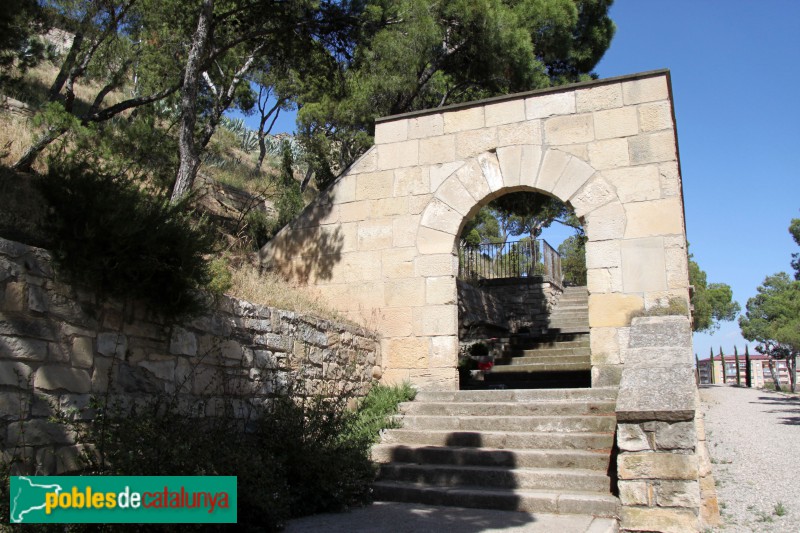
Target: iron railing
(509, 260)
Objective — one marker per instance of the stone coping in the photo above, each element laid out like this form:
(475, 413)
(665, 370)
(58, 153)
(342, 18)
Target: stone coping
(657, 393)
(527, 94)
(501, 282)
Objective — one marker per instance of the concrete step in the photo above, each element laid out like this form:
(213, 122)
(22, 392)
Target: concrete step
(549, 408)
(533, 368)
(532, 501)
(586, 423)
(596, 393)
(517, 440)
(468, 456)
(572, 479)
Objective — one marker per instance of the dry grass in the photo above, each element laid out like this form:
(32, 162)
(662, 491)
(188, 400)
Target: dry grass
(38, 79)
(16, 135)
(271, 290)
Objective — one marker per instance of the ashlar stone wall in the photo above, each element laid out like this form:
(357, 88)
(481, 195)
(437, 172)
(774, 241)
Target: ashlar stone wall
(59, 348)
(379, 244)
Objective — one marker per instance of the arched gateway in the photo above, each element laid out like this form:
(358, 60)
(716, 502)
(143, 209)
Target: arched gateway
(379, 245)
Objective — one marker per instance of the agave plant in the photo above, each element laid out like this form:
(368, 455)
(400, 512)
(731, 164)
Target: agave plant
(234, 125)
(249, 140)
(214, 160)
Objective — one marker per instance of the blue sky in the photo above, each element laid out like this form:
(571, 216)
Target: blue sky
(736, 82)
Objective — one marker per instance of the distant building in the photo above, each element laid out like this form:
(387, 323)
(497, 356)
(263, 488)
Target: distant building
(759, 369)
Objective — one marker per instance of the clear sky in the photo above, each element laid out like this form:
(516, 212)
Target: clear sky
(736, 83)
(736, 86)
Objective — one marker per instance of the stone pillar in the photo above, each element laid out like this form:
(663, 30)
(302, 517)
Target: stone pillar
(662, 467)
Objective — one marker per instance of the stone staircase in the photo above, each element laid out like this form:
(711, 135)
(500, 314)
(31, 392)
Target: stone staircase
(571, 315)
(540, 451)
(559, 357)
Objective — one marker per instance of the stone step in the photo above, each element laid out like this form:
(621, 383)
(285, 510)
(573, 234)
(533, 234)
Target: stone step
(570, 307)
(549, 408)
(572, 479)
(534, 357)
(470, 456)
(562, 329)
(518, 440)
(596, 393)
(529, 338)
(554, 351)
(567, 318)
(538, 380)
(567, 323)
(532, 368)
(587, 423)
(545, 344)
(531, 501)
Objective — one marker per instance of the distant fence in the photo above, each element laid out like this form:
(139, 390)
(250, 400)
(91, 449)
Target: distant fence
(509, 260)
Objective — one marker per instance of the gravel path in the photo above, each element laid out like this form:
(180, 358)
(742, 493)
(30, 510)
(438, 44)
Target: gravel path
(753, 438)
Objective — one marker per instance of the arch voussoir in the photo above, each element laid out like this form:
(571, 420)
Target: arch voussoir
(440, 216)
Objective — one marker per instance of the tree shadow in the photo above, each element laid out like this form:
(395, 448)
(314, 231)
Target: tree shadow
(307, 249)
(783, 406)
(472, 487)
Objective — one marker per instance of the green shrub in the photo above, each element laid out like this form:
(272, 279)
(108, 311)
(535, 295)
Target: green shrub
(293, 456)
(327, 467)
(260, 227)
(375, 410)
(120, 241)
(221, 278)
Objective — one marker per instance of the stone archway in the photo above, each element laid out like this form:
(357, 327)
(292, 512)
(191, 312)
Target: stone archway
(379, 244)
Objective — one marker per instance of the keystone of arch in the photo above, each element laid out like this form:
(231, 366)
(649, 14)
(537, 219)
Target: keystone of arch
(509, 169)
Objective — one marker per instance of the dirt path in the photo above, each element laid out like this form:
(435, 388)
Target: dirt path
(754, 442)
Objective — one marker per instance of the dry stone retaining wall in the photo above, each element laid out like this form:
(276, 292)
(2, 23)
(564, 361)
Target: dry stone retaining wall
(59, 347)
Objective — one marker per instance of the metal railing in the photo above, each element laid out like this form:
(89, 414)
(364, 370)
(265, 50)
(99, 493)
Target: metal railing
(509, 260)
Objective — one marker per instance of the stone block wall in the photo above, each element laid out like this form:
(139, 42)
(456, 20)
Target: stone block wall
(501, 306)
(59, 347)
(480, 314)
(527, 302)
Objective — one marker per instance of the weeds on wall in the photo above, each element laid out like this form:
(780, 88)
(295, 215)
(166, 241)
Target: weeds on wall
(676, 306)
(111, 236)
